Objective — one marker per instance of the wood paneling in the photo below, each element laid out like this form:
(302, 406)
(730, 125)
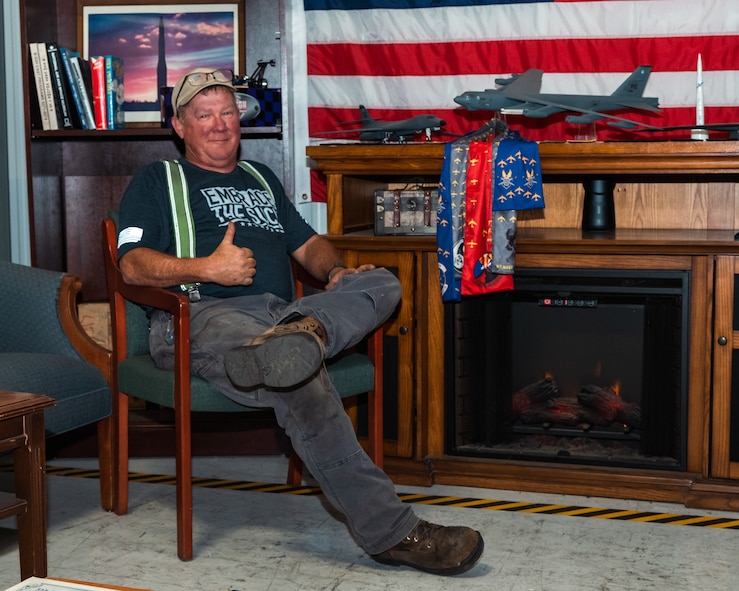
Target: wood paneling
(644, 205)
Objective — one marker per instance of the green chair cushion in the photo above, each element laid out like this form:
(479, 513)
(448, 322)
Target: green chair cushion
(351, 374)
(138, 376)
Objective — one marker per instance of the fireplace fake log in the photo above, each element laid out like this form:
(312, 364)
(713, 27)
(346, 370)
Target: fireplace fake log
(564, 411)
(541, 403)
(610, 405)
(535, 394)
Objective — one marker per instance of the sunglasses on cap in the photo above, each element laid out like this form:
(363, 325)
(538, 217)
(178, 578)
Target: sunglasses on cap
(202, 78)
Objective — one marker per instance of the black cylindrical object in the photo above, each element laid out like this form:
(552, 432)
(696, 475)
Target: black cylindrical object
(599, 212)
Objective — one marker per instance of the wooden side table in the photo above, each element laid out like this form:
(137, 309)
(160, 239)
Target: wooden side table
(22, 432)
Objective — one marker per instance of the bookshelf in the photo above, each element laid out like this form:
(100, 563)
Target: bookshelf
(140, 132)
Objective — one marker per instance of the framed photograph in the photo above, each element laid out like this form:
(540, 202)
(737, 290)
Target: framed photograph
(159, 42)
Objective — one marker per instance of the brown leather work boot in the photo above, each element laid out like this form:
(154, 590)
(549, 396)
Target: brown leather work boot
(281, 357)
(436, 549)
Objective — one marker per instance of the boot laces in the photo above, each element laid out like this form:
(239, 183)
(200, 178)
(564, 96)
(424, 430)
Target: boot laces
(304, 324)
(422, 533)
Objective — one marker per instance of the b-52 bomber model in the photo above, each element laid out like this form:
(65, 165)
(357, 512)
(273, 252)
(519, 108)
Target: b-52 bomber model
(373, 130)
(521, 95)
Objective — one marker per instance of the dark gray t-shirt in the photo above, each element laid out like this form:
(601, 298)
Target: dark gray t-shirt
(272, 228)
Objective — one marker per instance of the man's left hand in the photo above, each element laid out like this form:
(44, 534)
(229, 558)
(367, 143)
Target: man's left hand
(339, 272)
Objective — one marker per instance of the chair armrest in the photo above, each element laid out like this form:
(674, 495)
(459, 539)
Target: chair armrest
(303, 279)
(172, 302)
(156, 297)
(88, 349)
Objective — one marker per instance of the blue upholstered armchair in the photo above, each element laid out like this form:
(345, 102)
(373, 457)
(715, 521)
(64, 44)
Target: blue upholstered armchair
(45, 350)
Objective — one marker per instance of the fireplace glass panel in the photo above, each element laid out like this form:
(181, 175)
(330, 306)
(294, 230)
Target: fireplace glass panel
(734, 401)
(572, 366)
(734, 406)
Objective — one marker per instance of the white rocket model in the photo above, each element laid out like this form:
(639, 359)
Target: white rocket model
(699, 134)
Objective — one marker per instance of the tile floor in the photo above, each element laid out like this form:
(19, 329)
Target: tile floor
(282, 542)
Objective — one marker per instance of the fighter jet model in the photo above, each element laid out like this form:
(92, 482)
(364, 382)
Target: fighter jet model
(520, 95)
(373, 130)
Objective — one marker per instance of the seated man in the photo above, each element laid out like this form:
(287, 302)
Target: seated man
(256, 345)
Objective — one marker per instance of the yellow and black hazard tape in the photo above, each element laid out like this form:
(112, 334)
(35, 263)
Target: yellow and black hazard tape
(573, 511)
(422, 499)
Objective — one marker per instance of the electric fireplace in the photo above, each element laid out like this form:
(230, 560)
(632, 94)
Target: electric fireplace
(575, 366)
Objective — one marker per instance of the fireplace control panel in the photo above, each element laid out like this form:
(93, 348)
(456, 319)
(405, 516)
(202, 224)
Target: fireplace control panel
(569, 302)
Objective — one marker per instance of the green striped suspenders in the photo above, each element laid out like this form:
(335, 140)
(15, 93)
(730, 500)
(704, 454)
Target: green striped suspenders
(184, 229)
(257, 175)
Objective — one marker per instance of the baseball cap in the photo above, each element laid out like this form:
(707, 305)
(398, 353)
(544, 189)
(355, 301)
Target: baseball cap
(195, 81)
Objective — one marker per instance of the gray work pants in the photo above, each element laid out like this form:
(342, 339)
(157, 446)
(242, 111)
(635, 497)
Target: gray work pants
(312, 414)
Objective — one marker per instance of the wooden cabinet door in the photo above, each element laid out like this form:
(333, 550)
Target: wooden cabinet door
(724, 430)
(399, 337)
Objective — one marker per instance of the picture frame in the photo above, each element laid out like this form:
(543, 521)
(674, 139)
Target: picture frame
(195, 33)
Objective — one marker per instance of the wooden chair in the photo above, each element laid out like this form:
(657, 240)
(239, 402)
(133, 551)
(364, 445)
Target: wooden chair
(135, 374)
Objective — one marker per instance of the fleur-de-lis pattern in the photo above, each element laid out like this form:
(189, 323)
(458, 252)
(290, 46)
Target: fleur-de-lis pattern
(517, 183)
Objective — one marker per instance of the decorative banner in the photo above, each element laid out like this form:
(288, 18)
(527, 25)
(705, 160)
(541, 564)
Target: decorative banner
(479, 274)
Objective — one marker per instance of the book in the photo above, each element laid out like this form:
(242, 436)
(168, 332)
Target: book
(60, 87)
(114, 92)
(62, 98)
(46, 84)
(99, 100)
(39, 84)
(83, 82)
(66, 56)
(86, 69)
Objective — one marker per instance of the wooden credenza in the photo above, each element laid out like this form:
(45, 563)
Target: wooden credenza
(676, 207)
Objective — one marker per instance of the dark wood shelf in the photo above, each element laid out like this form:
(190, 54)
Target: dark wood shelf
(138, 132)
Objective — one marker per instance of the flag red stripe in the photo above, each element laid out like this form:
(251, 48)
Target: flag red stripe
(666, 54)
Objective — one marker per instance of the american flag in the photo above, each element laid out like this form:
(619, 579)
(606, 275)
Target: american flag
(402, 58)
